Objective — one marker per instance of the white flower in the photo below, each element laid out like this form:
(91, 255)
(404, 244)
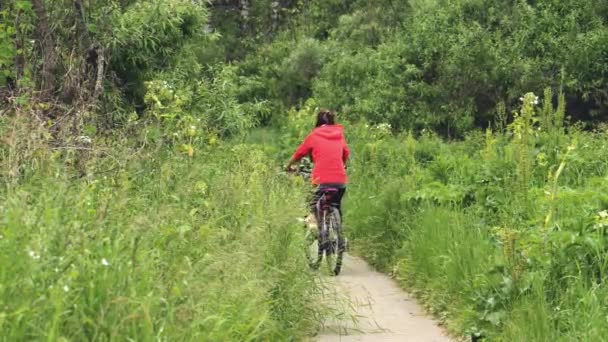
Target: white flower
(85, 139)
(603, 214)
(33, 255)
(105, 262)
(66, 288)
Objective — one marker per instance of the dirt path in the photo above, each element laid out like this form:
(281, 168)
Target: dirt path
(383, 311)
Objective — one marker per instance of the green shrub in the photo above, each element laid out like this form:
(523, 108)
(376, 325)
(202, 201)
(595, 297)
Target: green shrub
(299, 69)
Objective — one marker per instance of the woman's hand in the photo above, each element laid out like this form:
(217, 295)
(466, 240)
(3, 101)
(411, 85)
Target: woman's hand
(290, 167)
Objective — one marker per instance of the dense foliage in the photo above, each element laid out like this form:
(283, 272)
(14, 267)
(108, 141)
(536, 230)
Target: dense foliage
(153, 244)
(502, 234)
(130, 208)
(441, 65)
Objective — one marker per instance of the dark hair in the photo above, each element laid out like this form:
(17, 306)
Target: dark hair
(325, 117)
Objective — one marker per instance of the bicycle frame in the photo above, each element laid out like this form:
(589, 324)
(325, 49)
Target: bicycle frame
(323, 205)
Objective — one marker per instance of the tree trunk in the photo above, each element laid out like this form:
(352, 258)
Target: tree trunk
(47, 49)
(82, 32)
(19, 57)
(275, 16)
(101, 61)
(244, 7)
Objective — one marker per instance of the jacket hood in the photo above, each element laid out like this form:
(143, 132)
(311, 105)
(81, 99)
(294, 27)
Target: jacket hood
(330, 132)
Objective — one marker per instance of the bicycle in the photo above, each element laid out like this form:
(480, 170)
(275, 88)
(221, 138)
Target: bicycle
(327, 240)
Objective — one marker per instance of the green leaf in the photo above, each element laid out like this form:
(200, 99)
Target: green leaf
(23, 5)
(89, 130)
(496, 317)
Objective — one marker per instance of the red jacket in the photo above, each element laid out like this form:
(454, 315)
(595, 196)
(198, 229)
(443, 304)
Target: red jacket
(329, 154)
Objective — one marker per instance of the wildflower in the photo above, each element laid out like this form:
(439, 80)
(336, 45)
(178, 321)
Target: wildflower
(192, 131)
(66, 288)
(33, 255)
(603, 214)
(105, 262)
(383, 126)
(85, 139)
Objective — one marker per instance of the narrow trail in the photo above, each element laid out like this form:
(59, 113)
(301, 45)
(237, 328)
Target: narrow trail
(383, 311)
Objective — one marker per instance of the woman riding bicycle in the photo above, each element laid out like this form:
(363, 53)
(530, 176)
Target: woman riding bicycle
(329, 152)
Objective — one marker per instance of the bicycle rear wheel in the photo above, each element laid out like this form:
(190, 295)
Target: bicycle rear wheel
(334, 244)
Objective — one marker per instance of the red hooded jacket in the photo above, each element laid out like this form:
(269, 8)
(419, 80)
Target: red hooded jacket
(329, 154)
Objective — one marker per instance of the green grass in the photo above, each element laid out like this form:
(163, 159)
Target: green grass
(496, 235)
(165, 247)
(458, 225)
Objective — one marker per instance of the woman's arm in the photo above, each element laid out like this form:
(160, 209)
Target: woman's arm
(303, 150)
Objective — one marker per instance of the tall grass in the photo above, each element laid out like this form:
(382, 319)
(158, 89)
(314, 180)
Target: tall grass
(160, 246)
(501, 235)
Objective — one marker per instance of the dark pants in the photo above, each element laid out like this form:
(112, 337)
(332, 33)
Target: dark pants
(336, 199)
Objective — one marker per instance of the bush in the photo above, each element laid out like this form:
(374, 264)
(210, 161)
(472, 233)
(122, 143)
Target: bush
(147, 36)
(299, 69)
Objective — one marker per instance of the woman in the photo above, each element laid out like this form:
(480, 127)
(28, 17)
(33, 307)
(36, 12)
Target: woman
(327, 146)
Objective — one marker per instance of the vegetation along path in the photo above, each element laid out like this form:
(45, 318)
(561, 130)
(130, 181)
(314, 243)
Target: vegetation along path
(383, 311)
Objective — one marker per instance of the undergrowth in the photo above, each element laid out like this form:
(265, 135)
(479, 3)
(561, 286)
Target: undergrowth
(501, 235)
(141, 241)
